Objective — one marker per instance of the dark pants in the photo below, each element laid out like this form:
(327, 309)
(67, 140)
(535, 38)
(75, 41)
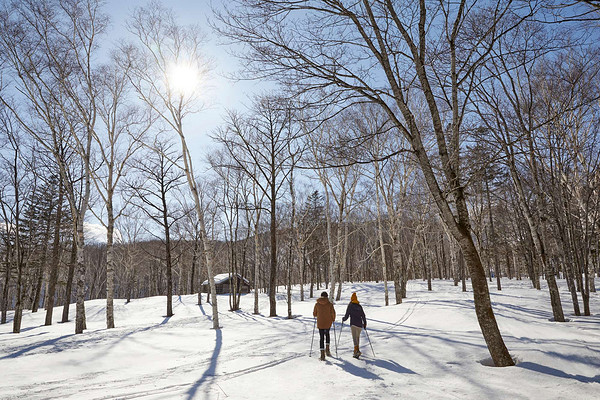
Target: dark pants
(323, 336)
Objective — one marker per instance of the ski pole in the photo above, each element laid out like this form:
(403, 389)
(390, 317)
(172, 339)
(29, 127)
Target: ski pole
(313, 337)
(369, 341)
(340, 337)
(334, 342)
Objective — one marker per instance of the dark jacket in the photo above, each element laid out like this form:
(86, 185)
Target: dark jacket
(324, 312)
(356, 314)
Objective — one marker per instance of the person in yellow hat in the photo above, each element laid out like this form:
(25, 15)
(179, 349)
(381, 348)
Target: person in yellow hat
(358, 321)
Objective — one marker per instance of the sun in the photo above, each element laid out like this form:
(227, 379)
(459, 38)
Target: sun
(183, 78)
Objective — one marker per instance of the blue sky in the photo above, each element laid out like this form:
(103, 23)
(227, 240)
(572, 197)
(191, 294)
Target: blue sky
(222, 93)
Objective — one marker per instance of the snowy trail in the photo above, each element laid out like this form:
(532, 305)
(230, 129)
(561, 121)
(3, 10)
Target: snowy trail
(428, 347)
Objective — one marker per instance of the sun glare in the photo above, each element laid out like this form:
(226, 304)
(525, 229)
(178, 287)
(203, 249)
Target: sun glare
(183, 79)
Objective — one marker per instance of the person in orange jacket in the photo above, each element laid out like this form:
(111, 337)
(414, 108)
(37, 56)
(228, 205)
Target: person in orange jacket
(325, 314)
(358, 321)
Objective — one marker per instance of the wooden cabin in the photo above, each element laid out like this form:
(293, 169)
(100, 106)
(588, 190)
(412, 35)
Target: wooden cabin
(224, 284)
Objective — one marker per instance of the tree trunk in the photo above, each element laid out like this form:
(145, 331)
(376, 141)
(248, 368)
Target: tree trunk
(381, 241)
(331, 248)
(585, 294)
(483, 305)
(454, 259)
(205, 240)
(312, 280)
(55, 261)
(289, 280)
(492, 240)
(130, 283)
(302, 272)
(69, 286)
(35, 300)
(509, 270)
(168, 260)
(572, 290)
(343, 261)
(193, 267)
(399, 267)
(293, 244)
(463, 273)
(273, 269)
(256, 261)
(80, 324)
(516, 264)
(110, 269)
(201, 268)
(5, 290)
(18, 313)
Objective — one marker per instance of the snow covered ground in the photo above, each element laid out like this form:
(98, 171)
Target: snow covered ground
(429, 347)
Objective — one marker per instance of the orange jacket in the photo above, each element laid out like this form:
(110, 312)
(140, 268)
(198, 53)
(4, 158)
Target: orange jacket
(324, 312)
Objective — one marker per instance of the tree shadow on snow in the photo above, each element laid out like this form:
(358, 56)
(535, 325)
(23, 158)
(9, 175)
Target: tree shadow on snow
(52, 343)
(390, 365)
(557, 373)
(212, 367)
(358, 371)
(592, 358)
(21, 331)
(536, 313)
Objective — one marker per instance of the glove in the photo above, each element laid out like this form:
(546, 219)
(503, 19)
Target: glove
(365, 325)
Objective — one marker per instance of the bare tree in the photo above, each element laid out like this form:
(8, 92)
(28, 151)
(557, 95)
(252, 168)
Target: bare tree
(166, 66)
(153, 192)
(14, 197)
(123, 128)
(232, 193)
(259, 144)
(340, 180)
(258, 197)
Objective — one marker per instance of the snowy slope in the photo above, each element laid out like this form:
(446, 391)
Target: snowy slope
(429, 347)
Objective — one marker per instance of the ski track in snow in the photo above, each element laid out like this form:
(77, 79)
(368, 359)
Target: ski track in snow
(428, 347)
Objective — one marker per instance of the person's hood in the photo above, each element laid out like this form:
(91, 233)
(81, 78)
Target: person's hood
(322, 300)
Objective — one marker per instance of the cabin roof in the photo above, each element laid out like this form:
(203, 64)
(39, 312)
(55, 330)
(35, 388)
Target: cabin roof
(222, 278)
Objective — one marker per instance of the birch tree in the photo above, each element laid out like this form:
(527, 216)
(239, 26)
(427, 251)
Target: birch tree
(166, 67)
(123, 127)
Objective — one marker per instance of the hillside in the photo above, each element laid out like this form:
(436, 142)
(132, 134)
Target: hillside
(429, 347)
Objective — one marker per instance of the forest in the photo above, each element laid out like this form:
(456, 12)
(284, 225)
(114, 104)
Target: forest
(398, 141)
